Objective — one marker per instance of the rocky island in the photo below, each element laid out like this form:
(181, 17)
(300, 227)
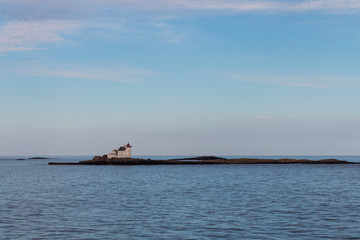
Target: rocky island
(202, 160)
(122, 156)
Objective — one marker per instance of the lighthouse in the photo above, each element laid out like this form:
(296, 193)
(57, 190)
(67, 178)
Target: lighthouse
(121, 152)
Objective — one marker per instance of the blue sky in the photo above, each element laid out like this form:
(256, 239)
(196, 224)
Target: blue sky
(177, 77)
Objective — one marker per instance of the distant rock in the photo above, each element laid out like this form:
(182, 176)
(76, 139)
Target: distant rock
(33, 158)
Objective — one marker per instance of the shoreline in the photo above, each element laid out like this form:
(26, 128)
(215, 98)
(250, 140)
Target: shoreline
(202, 160)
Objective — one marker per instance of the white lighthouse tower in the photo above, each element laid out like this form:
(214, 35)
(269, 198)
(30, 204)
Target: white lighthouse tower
(128, 150)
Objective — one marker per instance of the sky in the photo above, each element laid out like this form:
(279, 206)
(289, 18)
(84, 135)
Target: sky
(180, 77)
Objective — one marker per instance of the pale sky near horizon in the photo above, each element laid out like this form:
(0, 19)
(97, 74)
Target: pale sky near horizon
(175, 77)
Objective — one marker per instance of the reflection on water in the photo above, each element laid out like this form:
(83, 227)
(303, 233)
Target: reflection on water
(38, 201)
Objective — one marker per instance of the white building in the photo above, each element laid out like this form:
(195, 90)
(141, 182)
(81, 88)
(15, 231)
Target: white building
(122, 152)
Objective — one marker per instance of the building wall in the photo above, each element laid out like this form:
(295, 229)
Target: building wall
(121, 154)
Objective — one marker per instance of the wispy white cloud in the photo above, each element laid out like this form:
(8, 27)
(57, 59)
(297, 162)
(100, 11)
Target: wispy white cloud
(26, 35)
(110, 72)
(270, 5)
(165, 31)
(31, 35)
(122, 74)
(328, 5)
(298, 81)
(85, 8)
(25, 24)
(256, 5)
(17, 49)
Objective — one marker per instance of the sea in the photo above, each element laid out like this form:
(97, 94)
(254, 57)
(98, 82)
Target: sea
(250, 201)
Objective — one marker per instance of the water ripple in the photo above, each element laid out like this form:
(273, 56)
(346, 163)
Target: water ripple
(38, 201)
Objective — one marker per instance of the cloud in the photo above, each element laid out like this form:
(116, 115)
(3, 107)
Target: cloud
(298, 81)
(26, 24)
(26, 35)
(123, 74)
(242, 6)
(89, 9)
(17, 49)
(328, 5)
(110, 72)
(30, 35)
(81, 8)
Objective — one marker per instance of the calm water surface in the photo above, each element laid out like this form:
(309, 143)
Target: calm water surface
(38, 201)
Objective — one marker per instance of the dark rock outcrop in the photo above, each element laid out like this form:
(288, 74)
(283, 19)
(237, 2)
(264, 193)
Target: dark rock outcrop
(200, 158)
(33, 158)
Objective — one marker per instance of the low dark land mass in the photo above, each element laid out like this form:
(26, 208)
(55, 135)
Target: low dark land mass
(33, 158)
(199, 161)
